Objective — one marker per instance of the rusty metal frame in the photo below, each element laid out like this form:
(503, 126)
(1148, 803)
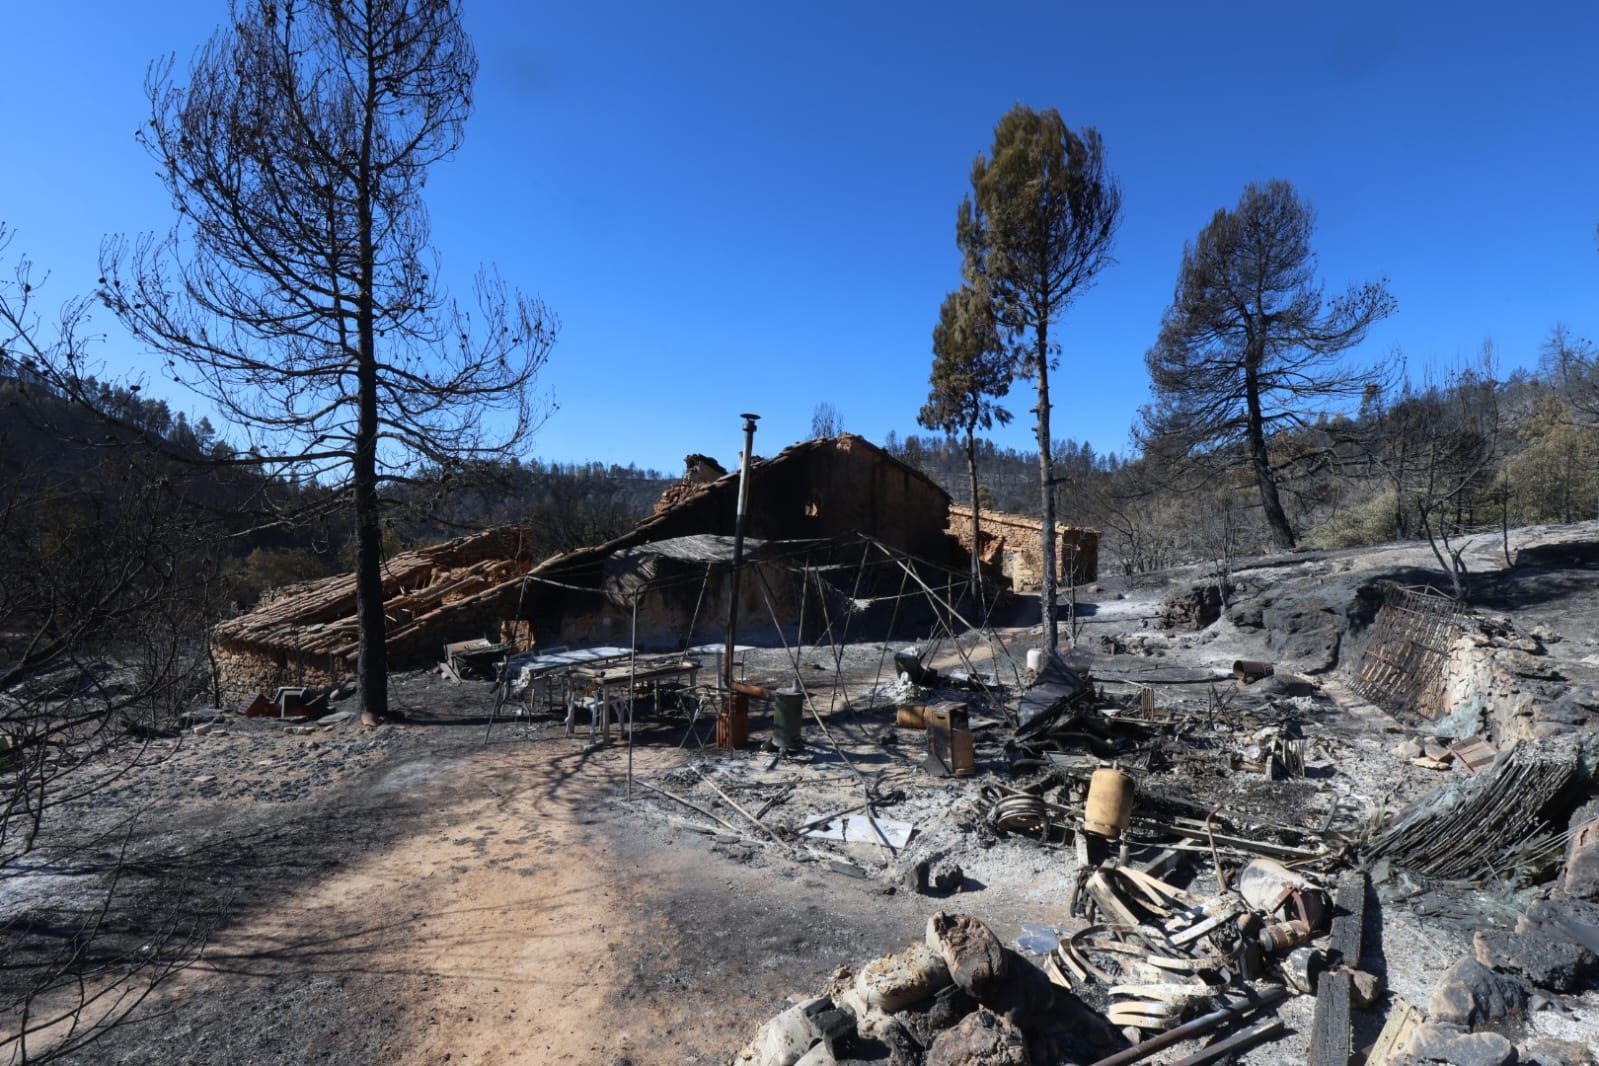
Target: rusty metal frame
(1402, 670)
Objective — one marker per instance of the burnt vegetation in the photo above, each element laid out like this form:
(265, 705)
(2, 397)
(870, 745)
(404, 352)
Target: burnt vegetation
(364, 412)
(1455, 456)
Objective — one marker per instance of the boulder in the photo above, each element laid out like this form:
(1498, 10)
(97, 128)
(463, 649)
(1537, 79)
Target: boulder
(893, 983)
(1247, 615)
(1193, 607)
(982, 1038)
(1470, 995)
(1437, 1043)
(1541, 954)
(1305, 633)
(792, 1036)
(973, 954)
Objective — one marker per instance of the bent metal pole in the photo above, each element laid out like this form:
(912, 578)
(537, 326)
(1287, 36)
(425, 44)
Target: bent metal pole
(738, 553)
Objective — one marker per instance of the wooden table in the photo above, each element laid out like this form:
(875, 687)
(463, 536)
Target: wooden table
(611, 686)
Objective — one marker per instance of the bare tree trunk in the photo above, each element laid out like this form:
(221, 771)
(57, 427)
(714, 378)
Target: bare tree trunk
(977, 536)
(1046, 481)
(1449, 558)
(1281, 532)
(1401, 516)
(1565, 490)
(372, 657)
(372, 662)
(1504, 518)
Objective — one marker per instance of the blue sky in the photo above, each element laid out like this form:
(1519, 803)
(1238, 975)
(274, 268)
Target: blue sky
(746, 206)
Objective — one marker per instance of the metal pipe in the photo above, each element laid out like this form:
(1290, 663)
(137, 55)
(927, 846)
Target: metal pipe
(738, 552)
(1198, 1027)
(632, 692)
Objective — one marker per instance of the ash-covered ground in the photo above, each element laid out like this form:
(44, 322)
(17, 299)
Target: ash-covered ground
(448, 891)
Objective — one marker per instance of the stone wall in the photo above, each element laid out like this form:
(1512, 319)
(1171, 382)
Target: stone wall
(1018, 542)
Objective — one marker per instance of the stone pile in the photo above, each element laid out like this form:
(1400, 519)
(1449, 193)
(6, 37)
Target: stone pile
(959, 998)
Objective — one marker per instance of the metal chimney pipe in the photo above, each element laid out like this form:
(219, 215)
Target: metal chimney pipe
(738, 551)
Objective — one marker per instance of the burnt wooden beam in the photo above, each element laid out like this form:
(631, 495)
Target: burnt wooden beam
(1331, 1034)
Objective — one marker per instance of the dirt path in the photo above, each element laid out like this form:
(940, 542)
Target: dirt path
(533, 917)
(483, 925)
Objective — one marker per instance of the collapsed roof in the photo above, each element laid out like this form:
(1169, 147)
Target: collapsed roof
(818, 492)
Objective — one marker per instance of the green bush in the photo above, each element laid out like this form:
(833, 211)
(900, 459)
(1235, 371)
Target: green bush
(1369, 522)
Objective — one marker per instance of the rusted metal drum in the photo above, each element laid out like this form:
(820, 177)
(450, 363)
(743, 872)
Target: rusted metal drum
(911, 716)
(733, 724)
(1109, 808)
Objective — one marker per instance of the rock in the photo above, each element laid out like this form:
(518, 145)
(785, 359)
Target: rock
(1582, 862)
(1284, 684)
(1307, 634)
(788, 1039)
(1542, 955)
(975, 957)
(935, 877)
(1408, 749)
(893, 983)
(1436, 1043)
(820, 1055)
(982, 1038)
(1524, 663)
(1246, 615)
(1365, 989)
(949, 1007)
(1470, 995)
(1578, 912)
(1565, 710)
(1588, 812)
(1547, 1051)
(1195, 607)
(919, 876)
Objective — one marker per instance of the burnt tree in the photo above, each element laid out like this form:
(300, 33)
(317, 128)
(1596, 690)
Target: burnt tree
(1035, 230)
(1249, 343)
(297, 291)
(109, 573)
(972, 367)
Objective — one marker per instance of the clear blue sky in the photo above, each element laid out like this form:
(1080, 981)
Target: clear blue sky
(750, 206)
